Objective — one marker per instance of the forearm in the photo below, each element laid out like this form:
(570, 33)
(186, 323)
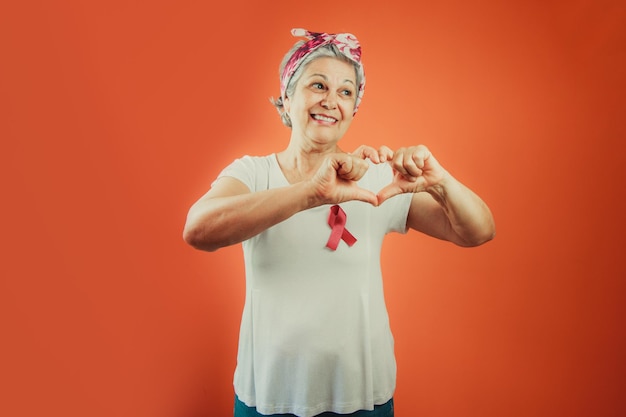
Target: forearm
(470, 220)
(216, 222)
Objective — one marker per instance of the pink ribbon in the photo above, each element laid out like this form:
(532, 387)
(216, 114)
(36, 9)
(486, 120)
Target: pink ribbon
(337, 221)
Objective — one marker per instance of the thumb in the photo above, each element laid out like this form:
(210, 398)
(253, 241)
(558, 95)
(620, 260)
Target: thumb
(387, 192)
(366, 196)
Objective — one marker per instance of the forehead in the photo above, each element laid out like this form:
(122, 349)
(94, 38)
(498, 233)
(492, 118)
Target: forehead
(331, 68)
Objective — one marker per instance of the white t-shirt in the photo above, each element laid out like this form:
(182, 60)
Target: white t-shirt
(315, 332)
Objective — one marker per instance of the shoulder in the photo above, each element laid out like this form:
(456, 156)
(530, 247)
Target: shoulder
(253, 171)
(248, 163)
(255, 161)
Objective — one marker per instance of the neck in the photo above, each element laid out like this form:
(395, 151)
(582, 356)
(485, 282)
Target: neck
(302, 162)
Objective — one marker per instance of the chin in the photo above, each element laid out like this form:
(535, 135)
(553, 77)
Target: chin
(324, 137)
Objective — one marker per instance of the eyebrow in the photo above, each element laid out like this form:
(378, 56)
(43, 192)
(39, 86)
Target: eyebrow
(326, 78)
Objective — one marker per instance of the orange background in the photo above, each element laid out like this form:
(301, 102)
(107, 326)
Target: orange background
(115, 116)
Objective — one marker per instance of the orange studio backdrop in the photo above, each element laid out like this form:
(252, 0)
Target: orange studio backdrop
(115, 116)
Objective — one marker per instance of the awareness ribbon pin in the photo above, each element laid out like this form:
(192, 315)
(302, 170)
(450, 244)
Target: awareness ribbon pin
(337, 221)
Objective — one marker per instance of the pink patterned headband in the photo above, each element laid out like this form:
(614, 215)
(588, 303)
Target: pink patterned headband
(345, 42)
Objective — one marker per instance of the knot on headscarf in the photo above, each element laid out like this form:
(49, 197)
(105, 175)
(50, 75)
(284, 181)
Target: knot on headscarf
(347, 44)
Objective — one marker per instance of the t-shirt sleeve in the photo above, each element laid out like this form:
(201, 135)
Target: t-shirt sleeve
(244, 169)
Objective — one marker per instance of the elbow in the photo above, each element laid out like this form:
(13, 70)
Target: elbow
(475, 236)
(196, 238)
(490, 232)
(478, 239)
(486, 237)
(190, 237)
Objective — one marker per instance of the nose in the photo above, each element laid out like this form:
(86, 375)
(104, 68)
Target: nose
(330, 100)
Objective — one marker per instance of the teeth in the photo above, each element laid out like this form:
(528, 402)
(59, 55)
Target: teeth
(324, 118)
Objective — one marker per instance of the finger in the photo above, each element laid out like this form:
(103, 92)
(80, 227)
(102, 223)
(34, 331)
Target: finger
(412, 163)
(351, 168)
(387, 192)
(359, 168)
(361, 151)
(385, 153)
(344, 166)
(366, 196)
(367, 152)
(420, 155)
(399, 164)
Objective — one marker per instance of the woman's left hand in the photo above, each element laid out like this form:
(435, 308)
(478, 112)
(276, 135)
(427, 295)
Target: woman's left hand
(454, 213)
(415, 170)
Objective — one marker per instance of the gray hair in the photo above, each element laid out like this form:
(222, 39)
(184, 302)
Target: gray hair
(329, 50)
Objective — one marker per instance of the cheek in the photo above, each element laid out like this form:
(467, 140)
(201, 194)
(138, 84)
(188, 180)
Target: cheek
(302, 106)
(348, 110)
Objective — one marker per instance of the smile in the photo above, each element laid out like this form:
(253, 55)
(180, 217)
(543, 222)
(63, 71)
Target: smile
(323, 118)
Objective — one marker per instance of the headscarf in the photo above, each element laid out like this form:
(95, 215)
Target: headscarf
(347, 44)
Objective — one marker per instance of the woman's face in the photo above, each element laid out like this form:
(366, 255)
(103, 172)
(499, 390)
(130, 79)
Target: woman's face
(322, 105)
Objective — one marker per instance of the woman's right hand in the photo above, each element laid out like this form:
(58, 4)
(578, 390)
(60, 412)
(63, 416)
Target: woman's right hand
(336, 180)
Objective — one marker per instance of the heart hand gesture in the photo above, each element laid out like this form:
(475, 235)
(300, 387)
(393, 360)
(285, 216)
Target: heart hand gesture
(415, 170)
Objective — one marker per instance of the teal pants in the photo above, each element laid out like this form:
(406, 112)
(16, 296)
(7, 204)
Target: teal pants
(383, 410)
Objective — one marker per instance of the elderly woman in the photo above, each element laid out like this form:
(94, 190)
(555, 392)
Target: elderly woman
(315, 336)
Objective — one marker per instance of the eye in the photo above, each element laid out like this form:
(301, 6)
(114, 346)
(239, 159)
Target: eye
(347, 92)
(317, 86)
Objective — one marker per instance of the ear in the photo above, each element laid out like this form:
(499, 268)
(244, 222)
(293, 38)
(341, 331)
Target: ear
(286, 105)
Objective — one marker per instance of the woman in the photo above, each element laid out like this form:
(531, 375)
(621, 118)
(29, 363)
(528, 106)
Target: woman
(315, 336)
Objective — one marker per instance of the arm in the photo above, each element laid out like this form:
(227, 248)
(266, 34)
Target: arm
(441, 206)
(229, 213)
